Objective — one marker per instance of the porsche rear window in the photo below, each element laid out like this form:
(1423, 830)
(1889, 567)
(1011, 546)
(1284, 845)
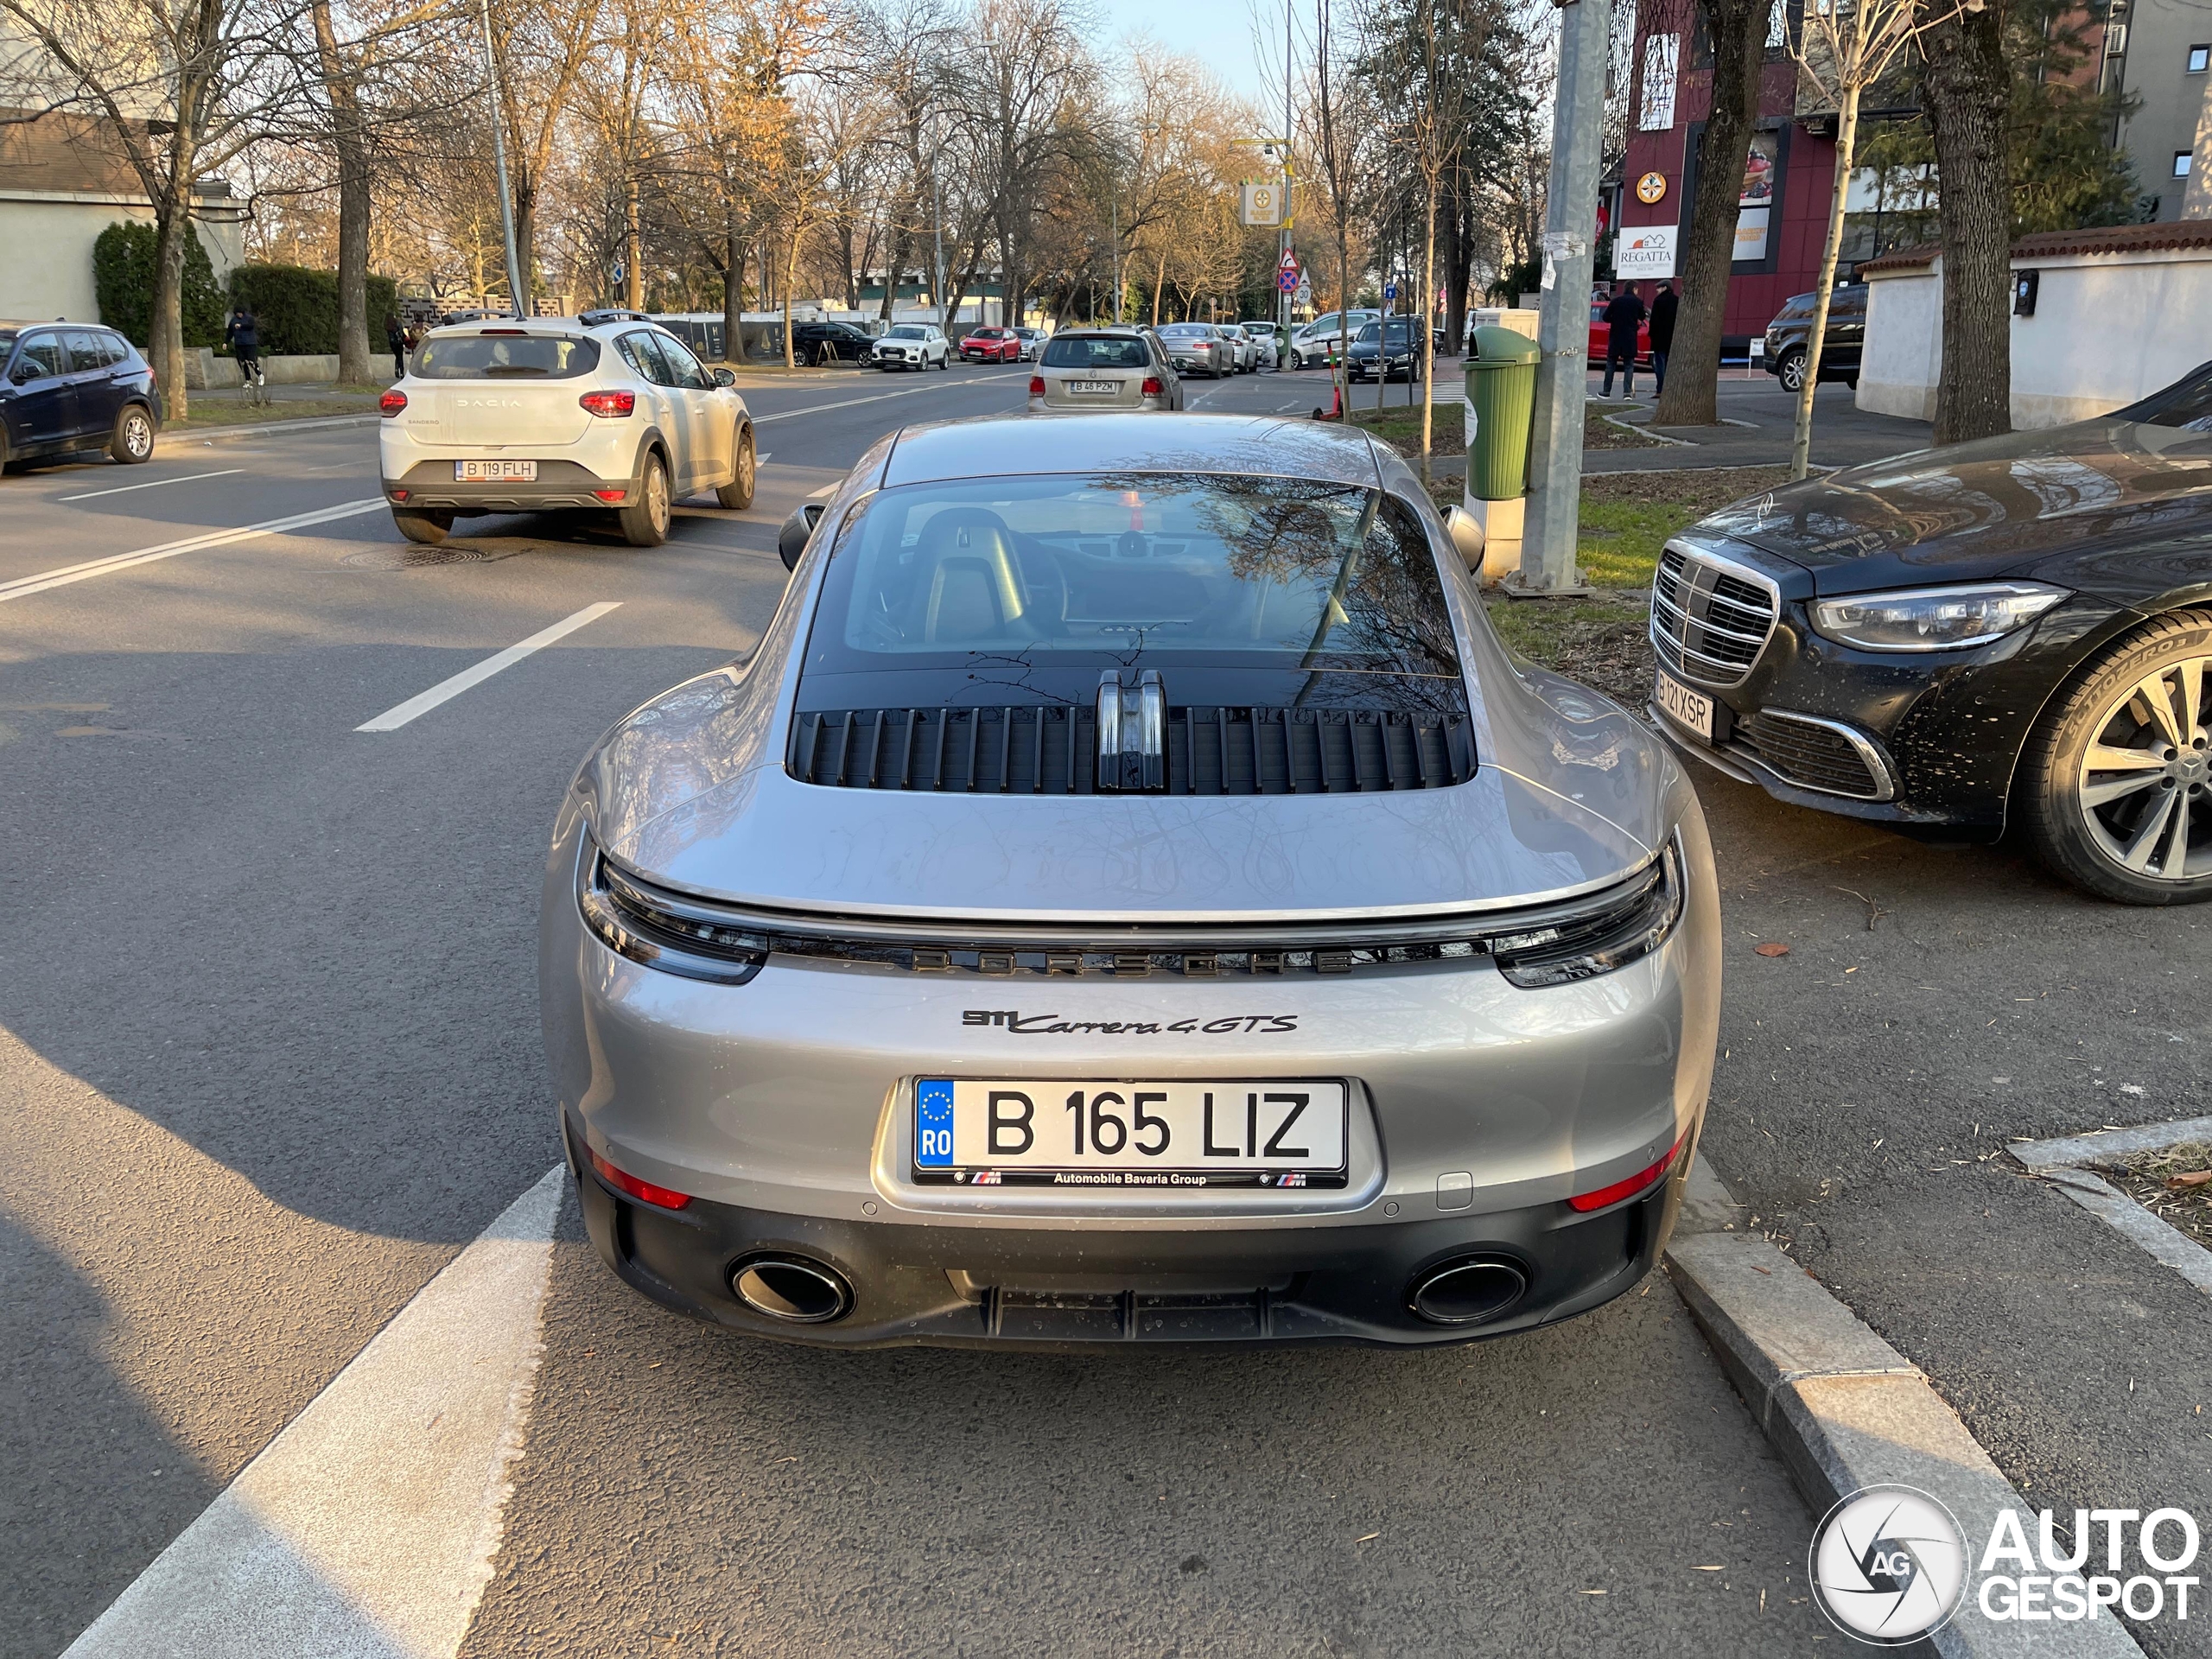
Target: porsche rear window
(1096, 352)
(1125, 570)
(505, 357)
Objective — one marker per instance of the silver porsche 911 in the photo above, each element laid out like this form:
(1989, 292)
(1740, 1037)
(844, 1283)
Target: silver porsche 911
(1130, 895)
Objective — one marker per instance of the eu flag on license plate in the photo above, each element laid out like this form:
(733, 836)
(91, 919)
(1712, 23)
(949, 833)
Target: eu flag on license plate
(933, 1123)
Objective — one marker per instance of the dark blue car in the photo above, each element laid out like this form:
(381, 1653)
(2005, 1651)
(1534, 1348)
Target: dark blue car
(70, 386)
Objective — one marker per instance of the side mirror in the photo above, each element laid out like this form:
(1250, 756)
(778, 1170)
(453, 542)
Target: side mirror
(798, 530)
(1466, 535)
(724, 377)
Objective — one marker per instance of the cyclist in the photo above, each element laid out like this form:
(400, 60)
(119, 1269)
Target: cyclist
(243, 335)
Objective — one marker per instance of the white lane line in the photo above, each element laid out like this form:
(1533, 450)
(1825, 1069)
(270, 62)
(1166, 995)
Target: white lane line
(23, 587)
(151, 484)
(854, 402)
(423, 701)
(368, 1526)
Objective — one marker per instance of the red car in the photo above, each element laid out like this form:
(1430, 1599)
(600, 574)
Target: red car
(992, 345)
(1601, 336)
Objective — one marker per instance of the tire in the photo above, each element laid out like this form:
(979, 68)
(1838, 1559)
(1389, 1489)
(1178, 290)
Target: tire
(645, 521)
(133, 441)
(737, 494)
(428, 527)
(945, 362)
(1790, 370)
(2141, 832)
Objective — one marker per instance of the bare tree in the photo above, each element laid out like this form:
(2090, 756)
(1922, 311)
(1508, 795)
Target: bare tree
(1738, 31)
(1968, 88)
(178, 91)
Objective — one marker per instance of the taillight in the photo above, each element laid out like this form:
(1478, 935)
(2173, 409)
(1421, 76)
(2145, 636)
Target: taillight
(609, 405)
(1627, 1189)
(1152, 387)
(1036, 385)
(391, 402)
(666, 1196)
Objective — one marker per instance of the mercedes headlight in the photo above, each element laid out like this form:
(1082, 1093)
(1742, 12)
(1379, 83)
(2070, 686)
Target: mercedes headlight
(1933, 619)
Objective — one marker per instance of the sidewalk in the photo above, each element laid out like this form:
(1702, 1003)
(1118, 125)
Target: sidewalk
(1761, 420)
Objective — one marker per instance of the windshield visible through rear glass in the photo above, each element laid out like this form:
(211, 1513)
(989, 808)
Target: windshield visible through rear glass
(1141, 569)
(1095, 353)
(501, 357)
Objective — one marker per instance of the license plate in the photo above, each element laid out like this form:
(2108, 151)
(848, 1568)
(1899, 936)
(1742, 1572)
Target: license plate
(991, 1131)
(1107, 386)
(1684, 706)
(495, 472)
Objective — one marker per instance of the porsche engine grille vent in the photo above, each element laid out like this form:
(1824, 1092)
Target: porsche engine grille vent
(1030, 750)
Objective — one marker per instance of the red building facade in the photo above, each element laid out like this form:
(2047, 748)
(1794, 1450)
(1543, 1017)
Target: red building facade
(1783, 206)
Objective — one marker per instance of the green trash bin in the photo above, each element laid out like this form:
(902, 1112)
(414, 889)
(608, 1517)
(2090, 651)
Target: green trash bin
(1502, 387)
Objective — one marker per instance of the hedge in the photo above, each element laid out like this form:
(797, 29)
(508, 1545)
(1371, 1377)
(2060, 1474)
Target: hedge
(297, 308)
(122, 282)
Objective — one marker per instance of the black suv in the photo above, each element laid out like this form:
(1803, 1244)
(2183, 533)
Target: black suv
(829, 342)
(1847, 333)
(73, 386)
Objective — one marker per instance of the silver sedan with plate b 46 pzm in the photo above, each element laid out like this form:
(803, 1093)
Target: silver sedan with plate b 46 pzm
(1129, 895)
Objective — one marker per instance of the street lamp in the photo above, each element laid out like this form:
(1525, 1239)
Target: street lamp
(499, 158)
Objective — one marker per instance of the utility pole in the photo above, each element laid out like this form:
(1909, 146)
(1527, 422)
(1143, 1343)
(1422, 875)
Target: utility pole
(936, 230)
(1563, 315)
(515, 284)
(1282, 240)
(1114, 198)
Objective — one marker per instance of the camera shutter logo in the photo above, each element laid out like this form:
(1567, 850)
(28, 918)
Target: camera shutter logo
(1889, 1565)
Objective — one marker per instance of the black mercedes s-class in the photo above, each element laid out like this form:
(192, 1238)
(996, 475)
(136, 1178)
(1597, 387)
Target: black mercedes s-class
(1948, 641)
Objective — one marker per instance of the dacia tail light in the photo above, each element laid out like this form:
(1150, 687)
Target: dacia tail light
(1036, 385)
(1152, 387)
(391, 402)
(609, 405)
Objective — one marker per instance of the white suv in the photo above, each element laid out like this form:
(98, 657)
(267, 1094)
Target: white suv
(601, 412)
(913, 346)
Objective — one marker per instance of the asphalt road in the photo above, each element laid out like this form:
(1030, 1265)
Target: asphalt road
(269, 1057)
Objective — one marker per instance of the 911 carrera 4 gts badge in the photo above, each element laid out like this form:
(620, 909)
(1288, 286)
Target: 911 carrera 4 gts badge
(1052, 1024)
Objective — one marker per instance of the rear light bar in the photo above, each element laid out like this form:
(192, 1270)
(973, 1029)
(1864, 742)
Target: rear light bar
(1152, 387)
(1628, 1189)
(667, 1198)
(1036, 385)
(609, 405)
(391, 402)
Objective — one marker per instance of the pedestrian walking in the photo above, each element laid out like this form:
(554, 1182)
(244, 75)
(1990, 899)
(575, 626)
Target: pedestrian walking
(1622, 317)
(396, 337)
(242, 334)
(1664, 307)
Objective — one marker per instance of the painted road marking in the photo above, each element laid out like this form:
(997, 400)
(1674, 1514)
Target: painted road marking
(392, 719)
(854, 402)
(24, 586)
(151, 484)
(369, 1525)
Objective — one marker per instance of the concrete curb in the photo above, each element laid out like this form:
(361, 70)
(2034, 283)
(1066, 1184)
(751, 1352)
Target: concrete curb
(1844, 1408)
(306, 423)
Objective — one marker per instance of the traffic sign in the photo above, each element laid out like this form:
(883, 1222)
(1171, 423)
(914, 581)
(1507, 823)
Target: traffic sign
(1390, 290)
(1289, 260)
(1286, 279)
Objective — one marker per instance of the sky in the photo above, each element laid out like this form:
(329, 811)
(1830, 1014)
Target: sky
(1218, 31)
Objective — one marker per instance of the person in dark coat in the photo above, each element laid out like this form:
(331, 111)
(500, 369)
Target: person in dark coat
(1622, 317)
(1662, 333)
(396, 337)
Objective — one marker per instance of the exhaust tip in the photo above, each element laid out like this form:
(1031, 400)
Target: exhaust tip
(792, 1288)
(1467, 1290)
